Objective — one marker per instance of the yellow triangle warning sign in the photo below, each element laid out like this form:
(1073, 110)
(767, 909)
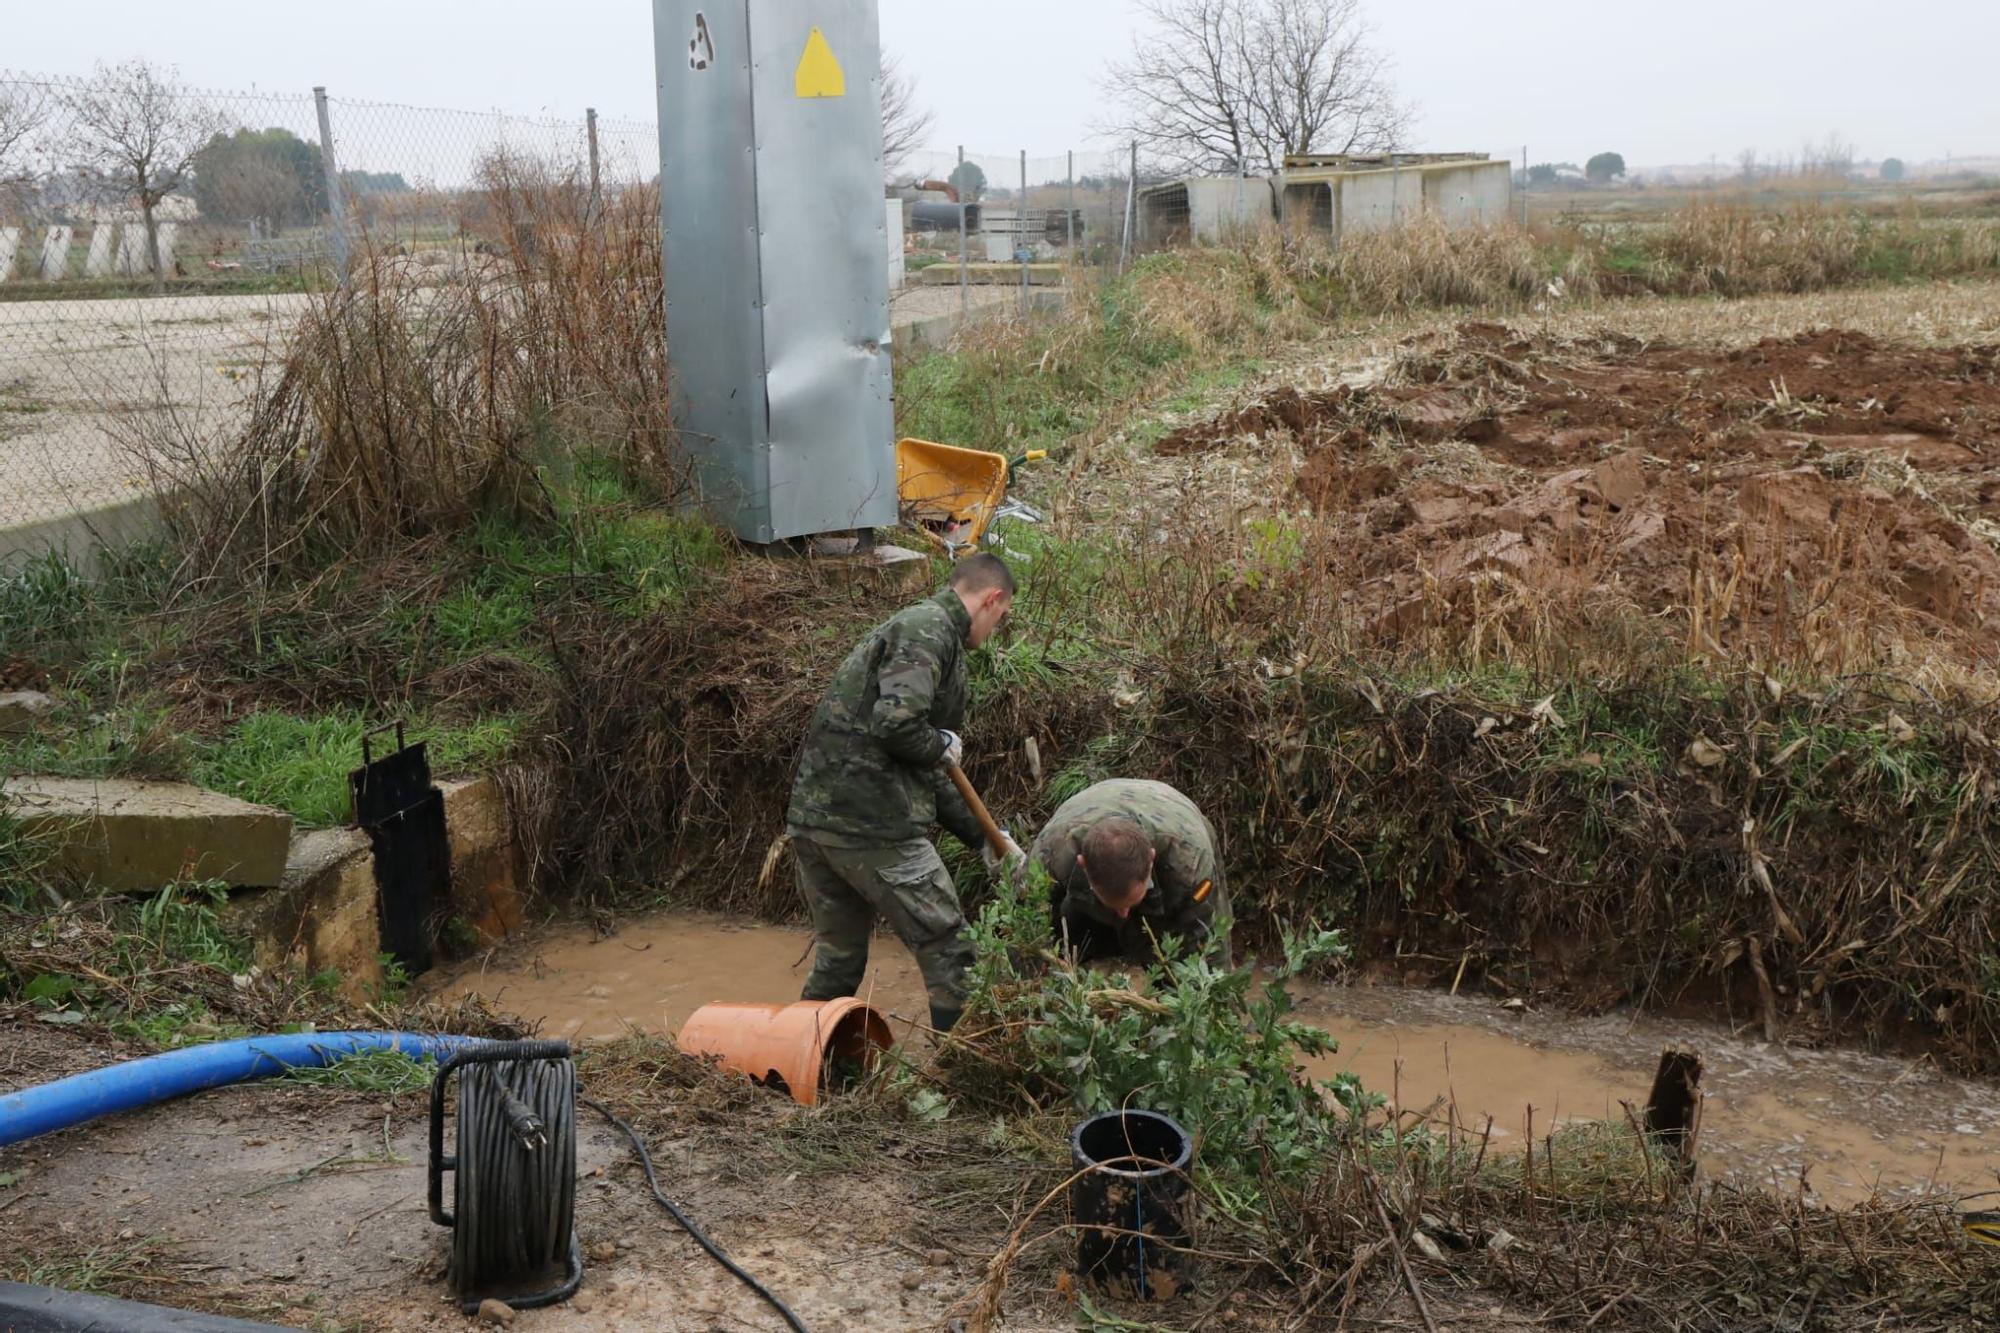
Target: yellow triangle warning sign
(819, 74)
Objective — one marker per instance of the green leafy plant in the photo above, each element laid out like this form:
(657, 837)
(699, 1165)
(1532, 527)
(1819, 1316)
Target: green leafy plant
(1215, 1048)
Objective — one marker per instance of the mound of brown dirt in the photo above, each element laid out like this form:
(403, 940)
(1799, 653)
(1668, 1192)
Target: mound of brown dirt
(1827, 483)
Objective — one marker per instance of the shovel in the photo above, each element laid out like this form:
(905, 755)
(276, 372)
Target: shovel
(994, 837)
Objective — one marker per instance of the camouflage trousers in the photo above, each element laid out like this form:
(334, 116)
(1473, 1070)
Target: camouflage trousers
(848, 888)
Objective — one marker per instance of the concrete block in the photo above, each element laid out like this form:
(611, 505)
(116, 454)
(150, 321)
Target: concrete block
(10, 244)
(118, 835)
(55, 253)
(488, 871)
(97, 261)
(21, 711)
(132, 257)
(323, 918)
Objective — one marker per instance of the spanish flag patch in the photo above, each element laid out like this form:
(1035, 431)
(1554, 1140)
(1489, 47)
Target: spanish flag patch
(1201, 894)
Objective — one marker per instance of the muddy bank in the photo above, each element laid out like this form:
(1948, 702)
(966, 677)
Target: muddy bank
(1852, 1123)
(1826, 484)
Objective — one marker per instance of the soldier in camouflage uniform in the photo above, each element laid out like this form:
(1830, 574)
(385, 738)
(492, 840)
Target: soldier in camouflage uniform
(1133, 862)
(872, 781)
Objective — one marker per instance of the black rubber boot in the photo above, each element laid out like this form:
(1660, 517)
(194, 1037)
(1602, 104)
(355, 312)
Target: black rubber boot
(943, 1019)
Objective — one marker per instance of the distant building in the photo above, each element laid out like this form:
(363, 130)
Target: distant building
(1334, 194)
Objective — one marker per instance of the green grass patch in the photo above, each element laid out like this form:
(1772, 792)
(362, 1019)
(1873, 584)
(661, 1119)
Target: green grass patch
(301, 764)
(386, 1072)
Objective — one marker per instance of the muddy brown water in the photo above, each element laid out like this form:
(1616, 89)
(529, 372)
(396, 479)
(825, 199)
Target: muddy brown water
(1854, 1122)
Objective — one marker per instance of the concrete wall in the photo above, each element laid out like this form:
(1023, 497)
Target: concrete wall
(1457, 193)
(1373, 200)
(1219, 209)
(1207, 209)
(1474, 193)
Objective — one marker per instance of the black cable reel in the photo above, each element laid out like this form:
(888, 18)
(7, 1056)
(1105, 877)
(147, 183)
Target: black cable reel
(513, 1214)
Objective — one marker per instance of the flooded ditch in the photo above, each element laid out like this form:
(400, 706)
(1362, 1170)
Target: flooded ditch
(1850, 1121)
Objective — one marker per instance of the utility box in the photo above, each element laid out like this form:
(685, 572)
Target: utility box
(773, 236)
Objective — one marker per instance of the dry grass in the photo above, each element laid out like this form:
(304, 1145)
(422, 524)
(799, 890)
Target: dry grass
(411, 396)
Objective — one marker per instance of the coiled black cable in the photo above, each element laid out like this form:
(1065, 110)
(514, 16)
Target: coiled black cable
(515, 1178)
(687, 1224)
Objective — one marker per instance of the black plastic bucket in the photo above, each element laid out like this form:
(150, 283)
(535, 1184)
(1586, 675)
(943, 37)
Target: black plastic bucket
(1129, 1204)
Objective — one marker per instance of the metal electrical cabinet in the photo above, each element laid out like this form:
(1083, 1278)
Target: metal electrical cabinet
(773, 227)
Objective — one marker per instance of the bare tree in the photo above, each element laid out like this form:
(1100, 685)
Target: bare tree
(142, 127)
(905, 123)
(1228, 85)
(22, 111)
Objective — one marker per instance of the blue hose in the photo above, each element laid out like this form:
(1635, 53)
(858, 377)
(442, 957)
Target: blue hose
(158, 1078)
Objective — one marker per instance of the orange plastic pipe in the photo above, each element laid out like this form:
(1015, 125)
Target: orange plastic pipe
(788, 1046)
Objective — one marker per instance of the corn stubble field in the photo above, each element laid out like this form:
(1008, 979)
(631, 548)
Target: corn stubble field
(1596, 620)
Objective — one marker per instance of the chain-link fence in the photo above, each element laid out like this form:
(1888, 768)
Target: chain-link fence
(158, 244)
(984, 229)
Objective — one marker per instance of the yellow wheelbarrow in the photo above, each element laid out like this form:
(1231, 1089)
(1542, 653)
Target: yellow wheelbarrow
(955, 496)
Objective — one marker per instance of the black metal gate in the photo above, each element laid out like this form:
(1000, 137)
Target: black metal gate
(403, 815)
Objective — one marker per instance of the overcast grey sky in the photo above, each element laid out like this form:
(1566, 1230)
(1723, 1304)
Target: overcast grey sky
(1662, 82)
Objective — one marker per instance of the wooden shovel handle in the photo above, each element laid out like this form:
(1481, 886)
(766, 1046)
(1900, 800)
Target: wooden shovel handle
(994, 837)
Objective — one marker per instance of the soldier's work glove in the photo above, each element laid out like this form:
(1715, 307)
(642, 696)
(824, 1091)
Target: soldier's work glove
(1009, 859)
(954, 749)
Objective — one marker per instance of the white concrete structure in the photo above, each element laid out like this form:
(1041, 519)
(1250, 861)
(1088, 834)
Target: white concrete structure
(55, 254)
(132, 250)
(1206, 209)
(97, 264)
(1370, 195)
(894, 217)
(10, 244)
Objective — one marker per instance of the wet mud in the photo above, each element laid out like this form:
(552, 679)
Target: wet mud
(1846, 1122)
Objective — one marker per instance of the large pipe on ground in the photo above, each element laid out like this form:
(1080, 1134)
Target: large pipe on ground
(157, 1078)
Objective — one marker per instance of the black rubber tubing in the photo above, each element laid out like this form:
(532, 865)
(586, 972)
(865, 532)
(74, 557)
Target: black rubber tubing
(715, 1252)
(495, 1231)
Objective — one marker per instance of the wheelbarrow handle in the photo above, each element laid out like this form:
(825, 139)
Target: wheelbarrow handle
(1032, 456)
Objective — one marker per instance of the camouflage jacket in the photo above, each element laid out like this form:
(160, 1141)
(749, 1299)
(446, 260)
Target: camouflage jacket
(870, 773)
(1186, 897)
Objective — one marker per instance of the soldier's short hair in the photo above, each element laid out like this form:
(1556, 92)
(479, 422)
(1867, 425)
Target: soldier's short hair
(978, 573)
(1115, 853)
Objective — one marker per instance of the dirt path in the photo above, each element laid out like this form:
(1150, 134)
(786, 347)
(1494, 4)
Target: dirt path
(305, 1207)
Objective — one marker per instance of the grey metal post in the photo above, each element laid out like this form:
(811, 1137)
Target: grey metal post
(1021, 229)
(590, 127)
(336, 206)
(1131, 210)
(964, 276)
(1069, 208)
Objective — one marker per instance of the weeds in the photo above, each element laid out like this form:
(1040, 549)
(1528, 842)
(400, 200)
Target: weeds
(386, 1072)
(1211, 1047)
(167, 971)
(303, 764)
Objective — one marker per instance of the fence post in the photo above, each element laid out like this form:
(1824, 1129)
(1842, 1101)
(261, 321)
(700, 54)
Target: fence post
(590, 128)
(1069, 208)
(1021, 231)
(336, 206)
(1131, 210)
(958, 189)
